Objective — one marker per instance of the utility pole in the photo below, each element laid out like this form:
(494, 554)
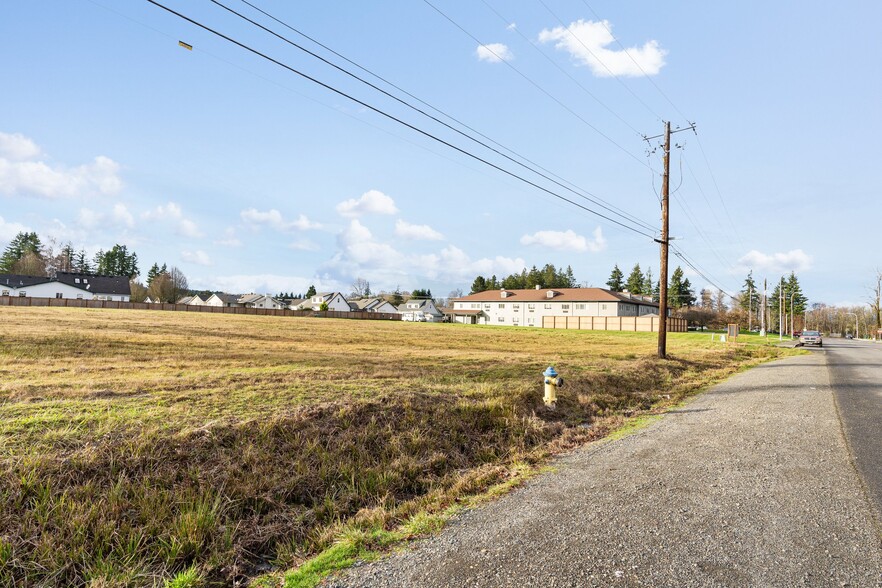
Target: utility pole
(664, 240)
(763, 316)
(663, 284)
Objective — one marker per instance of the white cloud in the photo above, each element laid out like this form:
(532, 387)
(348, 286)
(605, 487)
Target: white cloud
(17, 147)
(40, 179)
(9, 230)
(567, 240)
(361, 254)
(274, 219)
(266, 283)
(494, 53)
(795, 260)
(304, 245)
(405, 230)
(119, 216)
(197, 257)
(229, 238)
(586, 42)
(371, 202)
(511, 27)
(174, 215)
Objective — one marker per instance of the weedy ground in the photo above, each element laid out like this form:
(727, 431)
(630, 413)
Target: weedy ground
(142, 448)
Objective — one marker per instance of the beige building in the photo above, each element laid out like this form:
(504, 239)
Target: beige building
(527, 308)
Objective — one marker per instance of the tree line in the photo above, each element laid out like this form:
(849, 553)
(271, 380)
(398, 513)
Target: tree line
(29, 255)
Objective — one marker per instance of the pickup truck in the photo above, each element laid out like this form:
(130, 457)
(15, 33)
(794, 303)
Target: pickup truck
(811, 338)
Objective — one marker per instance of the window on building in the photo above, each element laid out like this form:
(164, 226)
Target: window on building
(5, 292)
(486, 307)
(79, 296)
(76, 280)
(59, 295)
(516, 307)
(547, 307)
(530, 321)
(603, 307)
(501, 305)
(476, 305)
(501, 319)
(85, 281)
(581, 306)
(531, 307)
(22, 294)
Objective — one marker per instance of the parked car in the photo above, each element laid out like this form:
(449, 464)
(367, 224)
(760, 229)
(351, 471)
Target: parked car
(849, 336)
(811, 338)
(797, 333)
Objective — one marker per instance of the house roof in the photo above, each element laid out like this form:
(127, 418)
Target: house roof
(20, 281)
(560, 295)
(186, 300)
(118, 285)
(463, 311)
(224, 297)
(249, 298)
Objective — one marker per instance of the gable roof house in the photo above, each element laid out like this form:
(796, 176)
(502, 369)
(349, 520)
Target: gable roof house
(527, 307)
(373, 305)
(67, 285)
(223, 300)
(18, 285)
(101, 287)
(422, 310)
(334, 300)
(260, 301)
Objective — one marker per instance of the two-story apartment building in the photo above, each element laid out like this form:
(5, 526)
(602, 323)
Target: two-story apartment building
(526, 308)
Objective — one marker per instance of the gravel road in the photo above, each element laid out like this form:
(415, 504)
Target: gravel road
(750, 484)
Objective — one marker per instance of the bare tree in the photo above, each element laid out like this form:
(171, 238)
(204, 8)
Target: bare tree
(179, 283)
(361, 288)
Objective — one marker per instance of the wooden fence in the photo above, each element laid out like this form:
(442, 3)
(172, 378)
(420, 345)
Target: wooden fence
(77, 303)
(647, 324)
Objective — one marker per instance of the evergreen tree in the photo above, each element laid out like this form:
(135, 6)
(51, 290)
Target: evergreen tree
(680, 290)
(570, 278)
(493, 283)
(479, 285)
(117, 262)
(21, 245)
(397, 297)
(615, 282)
(635, 281)
(648, 284)
(152, 273)
(750, 299)
(656, 292)
(311, 292)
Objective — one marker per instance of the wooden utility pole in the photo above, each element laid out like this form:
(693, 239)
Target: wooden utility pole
(663, 278)
(663, 241)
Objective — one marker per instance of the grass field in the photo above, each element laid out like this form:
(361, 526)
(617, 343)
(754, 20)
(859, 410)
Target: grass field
(145, 447)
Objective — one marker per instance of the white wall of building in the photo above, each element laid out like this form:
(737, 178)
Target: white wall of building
(506, 312)
(59, 290)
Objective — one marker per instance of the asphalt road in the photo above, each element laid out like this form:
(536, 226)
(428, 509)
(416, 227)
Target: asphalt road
(856, 375)
(750, 484)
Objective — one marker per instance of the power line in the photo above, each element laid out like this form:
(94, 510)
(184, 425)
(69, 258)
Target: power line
(631, 57)
(697, 268)
(582, 193)
(600, 61)
(534, 84)
(561, 70)
(395, 119)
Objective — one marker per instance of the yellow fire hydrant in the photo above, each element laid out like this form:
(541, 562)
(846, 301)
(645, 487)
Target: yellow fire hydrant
(552, 383)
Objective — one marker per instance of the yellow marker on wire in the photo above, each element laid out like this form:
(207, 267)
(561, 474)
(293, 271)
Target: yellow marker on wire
(186, 46)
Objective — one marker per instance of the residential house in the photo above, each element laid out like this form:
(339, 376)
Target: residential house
(67, 285)
(19, 285)
(223, 300)
(421, 310)
(260, 301)
(334, 300)
(526, 308)
(373, 305)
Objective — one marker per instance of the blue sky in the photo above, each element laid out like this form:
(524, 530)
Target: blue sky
(250, 178)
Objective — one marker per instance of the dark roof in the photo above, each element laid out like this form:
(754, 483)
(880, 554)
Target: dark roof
(118, 285)
(19, 281)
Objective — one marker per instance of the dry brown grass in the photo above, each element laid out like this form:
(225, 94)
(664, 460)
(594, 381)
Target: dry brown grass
(136, 445)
